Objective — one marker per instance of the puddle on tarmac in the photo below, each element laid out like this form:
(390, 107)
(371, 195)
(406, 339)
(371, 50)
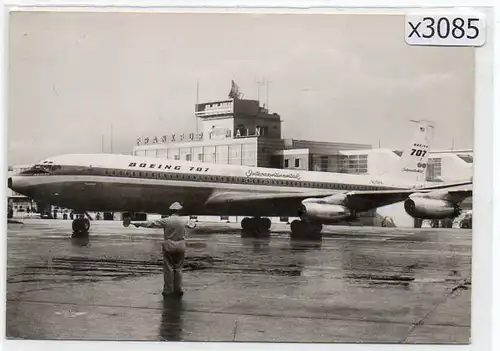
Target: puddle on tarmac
(380, 277)
(112, 269)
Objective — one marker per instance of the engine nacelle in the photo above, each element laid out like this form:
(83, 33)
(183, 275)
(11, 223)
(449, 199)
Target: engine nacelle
(431, 208)
(336, 199)
(324, 213)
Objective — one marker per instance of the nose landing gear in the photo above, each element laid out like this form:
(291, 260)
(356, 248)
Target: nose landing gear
(80, 225)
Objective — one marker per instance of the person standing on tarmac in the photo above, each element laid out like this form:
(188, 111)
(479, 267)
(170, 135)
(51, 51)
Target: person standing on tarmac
(173, 248)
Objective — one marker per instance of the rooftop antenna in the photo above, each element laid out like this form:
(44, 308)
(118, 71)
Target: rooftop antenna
(197, 92)
(111, 137)
(197, 102)
(102, 143)
(259, 83)
(267, 93)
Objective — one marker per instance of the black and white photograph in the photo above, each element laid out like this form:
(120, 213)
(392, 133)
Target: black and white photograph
(237, 177)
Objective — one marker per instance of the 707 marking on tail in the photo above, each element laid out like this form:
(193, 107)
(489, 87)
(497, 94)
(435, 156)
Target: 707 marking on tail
(418, 152)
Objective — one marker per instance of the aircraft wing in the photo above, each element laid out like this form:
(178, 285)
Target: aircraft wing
(454, 194)
(449, 185)
(260, 204)
(366, 200)
(287, 204)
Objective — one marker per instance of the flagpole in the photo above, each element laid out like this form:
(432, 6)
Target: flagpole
(258, 91)
(267, 94)
(111, 137)
(197, 94)
(259, 83)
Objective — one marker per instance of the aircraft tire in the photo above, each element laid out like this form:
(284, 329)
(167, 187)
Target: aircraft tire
(80, 225)
(263, 225)
(245, 223)
(86, 224)
(255, 227)
(266, 223)
(301, 230)
(297, 230)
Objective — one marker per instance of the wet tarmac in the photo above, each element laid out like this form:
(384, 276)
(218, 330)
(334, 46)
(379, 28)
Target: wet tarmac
(360, 284)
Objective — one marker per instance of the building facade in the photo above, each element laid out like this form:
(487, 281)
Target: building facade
(443, 166)
(18, 205)
(450, 165)
(241, 132)
(234, 131)
(324, 156)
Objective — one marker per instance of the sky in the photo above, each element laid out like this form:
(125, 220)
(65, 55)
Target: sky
(74, 77)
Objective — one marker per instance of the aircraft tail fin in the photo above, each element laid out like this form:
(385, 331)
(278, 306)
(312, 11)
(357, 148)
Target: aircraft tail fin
(412, 167)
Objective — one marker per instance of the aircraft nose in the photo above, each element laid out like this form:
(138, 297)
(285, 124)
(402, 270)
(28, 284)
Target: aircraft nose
(18, 185)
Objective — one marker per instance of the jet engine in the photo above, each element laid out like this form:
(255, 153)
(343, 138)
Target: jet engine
(431, 208)
(324, 213)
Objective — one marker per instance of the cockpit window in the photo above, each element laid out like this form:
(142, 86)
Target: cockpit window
(36, 169)
(43, 168)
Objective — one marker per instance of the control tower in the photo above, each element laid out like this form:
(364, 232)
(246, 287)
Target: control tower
(237, 118)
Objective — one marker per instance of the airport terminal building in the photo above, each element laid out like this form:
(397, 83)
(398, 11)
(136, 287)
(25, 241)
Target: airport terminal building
(241, 132)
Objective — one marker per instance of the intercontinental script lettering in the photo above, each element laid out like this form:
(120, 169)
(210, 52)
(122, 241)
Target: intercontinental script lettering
(251, 173)
(413, 170)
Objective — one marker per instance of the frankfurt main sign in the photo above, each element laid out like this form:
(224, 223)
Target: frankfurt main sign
(214, 134)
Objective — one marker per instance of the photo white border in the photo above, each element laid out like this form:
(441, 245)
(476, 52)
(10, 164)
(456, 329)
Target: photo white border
(485, 285)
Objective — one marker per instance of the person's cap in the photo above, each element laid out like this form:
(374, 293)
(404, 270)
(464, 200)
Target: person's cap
(175, 206)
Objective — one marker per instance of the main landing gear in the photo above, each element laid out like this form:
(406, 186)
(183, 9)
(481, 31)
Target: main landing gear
(255, 227)
(81, 225)
(303, 230)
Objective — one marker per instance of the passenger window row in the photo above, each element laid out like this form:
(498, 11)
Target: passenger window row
(200, 177)
(235, 180)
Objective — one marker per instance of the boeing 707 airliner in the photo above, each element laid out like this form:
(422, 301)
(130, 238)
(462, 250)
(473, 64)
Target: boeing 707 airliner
(123, 183)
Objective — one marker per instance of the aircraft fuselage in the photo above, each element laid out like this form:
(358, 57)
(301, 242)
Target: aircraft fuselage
(137, 184)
